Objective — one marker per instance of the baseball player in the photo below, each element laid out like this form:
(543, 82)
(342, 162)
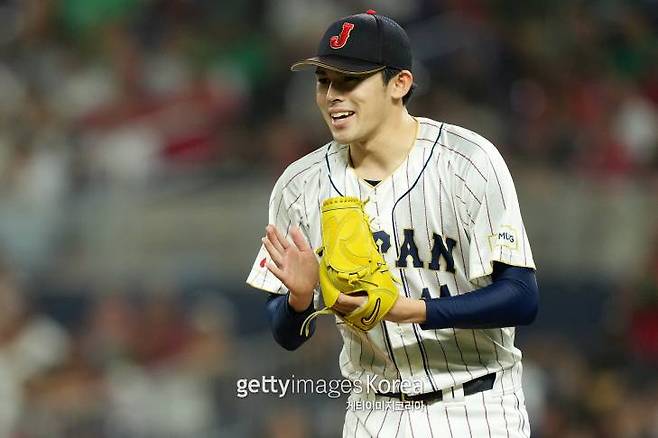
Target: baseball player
(445, 215)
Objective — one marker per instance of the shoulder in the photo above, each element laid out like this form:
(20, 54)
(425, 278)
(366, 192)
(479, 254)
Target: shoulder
(468, 142)
(467, 150)
(296, 175)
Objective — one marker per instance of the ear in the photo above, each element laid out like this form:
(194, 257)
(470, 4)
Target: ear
(401, 84)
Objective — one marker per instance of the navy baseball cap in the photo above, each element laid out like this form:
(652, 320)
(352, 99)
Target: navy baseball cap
(361, 44)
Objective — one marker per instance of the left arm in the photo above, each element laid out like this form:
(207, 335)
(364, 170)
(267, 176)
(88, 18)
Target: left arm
(512, 299)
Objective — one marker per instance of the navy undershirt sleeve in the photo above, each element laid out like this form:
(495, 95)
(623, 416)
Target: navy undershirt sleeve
(512, 299)
(286, 323)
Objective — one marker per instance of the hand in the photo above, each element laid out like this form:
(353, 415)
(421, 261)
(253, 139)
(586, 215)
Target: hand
(404, 310)
(294, 264)
(346, 304)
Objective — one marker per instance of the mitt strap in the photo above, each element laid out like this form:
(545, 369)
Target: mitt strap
(306, 325)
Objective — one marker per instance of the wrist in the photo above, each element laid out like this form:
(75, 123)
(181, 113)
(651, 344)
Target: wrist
(417, 311)
(300, 303)
(408, 310)
(422, 311)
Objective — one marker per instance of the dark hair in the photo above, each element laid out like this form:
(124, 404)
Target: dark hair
(389, 73)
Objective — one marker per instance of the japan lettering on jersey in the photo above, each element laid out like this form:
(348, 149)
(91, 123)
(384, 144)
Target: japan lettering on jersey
(441, 219)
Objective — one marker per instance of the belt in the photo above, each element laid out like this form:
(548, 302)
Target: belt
(471, 387)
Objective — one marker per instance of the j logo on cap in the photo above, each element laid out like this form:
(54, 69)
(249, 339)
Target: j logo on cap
(336, 42)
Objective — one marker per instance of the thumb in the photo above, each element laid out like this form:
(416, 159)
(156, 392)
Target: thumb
(298, 239)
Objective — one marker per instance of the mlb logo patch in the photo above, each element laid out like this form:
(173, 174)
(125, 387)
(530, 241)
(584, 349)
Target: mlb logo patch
(506, 237)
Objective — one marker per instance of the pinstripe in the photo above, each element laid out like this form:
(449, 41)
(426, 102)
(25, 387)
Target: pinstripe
(288, 208)
(460, 199)
(502, 380)
(349, 348)
(523, 417)
(399, 423)
(278, 207)
(502, 399)
(365, 421)
(477, 350)
(468, 188)
(383, 421)
(517, 406)
(502, 196)
(486, 414)
(304, 206)
(448, 420)
(429, 422)
(389, 348)
(411, 429)
(486, 200)
(477, 249)
(363, 370)
(320, 198)
(372, 360)
(468, 422)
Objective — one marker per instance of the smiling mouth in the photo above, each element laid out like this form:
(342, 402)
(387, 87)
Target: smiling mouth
(341, 115)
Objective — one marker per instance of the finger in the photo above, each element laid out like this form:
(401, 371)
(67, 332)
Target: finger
(271, 233)
(275, 255)
(346, 304)
(298, 239)
(278, 273)
(282, 239)
(352, 301)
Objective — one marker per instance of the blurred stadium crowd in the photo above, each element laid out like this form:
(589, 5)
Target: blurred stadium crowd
(107, 100)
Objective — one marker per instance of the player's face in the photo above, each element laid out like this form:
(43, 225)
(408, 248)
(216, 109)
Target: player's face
(354, 107)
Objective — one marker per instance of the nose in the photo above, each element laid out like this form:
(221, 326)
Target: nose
(333, 93)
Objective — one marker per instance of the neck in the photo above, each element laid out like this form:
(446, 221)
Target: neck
(379, 156)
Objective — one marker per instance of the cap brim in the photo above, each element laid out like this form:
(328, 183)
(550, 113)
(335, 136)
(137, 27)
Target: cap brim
(340, 64)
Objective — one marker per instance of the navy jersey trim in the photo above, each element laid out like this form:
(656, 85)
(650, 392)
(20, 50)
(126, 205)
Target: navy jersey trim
(326, 158)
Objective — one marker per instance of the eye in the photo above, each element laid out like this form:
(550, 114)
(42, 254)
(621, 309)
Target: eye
(323, 81)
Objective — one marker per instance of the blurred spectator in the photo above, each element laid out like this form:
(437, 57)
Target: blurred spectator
(31, 345)
(642, 332)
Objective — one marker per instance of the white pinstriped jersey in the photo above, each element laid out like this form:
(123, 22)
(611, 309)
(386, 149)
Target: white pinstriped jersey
(441, 219)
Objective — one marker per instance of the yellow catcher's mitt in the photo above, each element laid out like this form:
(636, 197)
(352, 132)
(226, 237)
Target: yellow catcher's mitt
(352, 264)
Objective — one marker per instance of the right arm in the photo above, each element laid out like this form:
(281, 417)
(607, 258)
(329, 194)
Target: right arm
(286, 322)
(295, 265)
